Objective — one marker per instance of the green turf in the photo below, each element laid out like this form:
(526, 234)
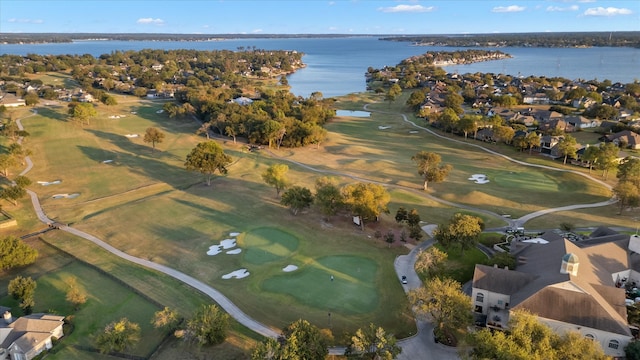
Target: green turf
(351, 291)
(267, 244)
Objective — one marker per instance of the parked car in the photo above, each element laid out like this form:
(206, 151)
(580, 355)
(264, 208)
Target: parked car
(403, 279)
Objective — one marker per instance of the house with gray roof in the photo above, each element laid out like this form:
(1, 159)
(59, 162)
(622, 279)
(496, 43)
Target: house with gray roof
(26, 337)
(571, 285)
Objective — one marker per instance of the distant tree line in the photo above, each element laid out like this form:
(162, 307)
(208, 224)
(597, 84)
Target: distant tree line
(554, 39)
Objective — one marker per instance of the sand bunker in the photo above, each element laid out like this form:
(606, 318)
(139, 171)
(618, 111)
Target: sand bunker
(414, 132)
(107, 161)
(159, 111)
(132, 135)
(290, 268)
(116, 116)
(224, 244)
(234, 234)
(65, 196)
(479, 178)
(383, 127)
(234, 251)
(47, 183)
(238, 274)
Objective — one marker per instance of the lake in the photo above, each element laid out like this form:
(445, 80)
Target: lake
(336, 66)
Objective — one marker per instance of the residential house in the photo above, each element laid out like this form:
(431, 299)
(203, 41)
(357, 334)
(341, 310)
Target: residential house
(26, 337)
(10, 100)
(537, 98)
(628, 137)
(548, 142)
(569, 285)
(584, 103)
(581, 122)
(556, 124)
(243, 100)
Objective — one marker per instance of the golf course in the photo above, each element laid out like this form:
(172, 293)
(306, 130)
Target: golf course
(143, 202)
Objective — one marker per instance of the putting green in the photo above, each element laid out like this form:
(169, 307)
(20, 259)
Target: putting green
(352, 290)
(268, 244)
(525, 180)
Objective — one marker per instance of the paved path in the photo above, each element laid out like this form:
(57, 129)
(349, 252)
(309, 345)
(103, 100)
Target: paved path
(419, 346)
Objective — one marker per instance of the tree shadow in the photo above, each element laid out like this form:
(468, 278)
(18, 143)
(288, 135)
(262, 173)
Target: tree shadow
(126, 144)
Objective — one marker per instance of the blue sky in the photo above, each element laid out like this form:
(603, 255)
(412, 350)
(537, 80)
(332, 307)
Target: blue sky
(317, 16)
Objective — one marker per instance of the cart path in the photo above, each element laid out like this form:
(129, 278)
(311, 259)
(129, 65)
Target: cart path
(413, 345)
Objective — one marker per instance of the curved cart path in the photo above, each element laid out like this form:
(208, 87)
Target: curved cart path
(214, 294)
(414, 346)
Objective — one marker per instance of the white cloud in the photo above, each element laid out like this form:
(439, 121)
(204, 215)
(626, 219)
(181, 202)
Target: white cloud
(558, 8)
(507, 9)
(256, 31)
(407, 8)
(150, 21)
(609, 11)
(26, 21)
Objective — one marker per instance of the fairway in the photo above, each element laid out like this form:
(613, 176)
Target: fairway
(343, 284)
(268, 244)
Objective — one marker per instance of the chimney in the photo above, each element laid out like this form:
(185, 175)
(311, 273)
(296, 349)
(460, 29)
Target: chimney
(7, 317)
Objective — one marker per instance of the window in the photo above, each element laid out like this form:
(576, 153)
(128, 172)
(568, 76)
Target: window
(480, 297)
(613, 344)
(499, 302)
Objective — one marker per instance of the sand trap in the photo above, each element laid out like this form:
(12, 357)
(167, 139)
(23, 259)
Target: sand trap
(214, 250)
(479, 178)
(238, 274)
(234, 234)
(414, 132)
(65, 196)
(47, 183)
(107, 161)
(228, 243)
(224, 244)
(134, 112)
(116, 116)
(132, 135)
(234, 251)
(159, 111)
(383, 127)
(290, 268)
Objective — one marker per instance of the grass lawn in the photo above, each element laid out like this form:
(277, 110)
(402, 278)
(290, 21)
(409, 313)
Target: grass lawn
(144, 203)
(460, 265)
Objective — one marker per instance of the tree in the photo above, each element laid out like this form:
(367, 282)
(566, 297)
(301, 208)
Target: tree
(628, 194)
(431, 262)
(109, 100)
(207, 158)
(448, 119)
(13, 193)
(303, 341)
(154, 136)
(373, 342)
(23, 289)
(444, 302)
(467, 124)
(297, 198)
(632, 351)
(429, 167)
(462, 230)
(269, 349)
(14, 252)
(394, 91)
(567, 147)
(82, 112)
(402, 215)
(328, 196)
(7, 161)
(366, 200)
(607, 158)
(118, 336)
(629, 170)
(74, 295)
(416, 99)
(590, 155)
(166, 318)
(413, 220)
(276, 176)
(454, 102)
(532, 140)
(31, 98)
(503, 134)
(528, 338)
(208, 326)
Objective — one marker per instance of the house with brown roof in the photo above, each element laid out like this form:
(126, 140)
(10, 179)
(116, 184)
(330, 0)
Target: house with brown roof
(10, 100)
(570, 285)
(628, 137)
(26, 337)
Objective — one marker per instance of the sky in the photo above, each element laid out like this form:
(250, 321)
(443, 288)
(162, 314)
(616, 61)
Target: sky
(396, 17)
